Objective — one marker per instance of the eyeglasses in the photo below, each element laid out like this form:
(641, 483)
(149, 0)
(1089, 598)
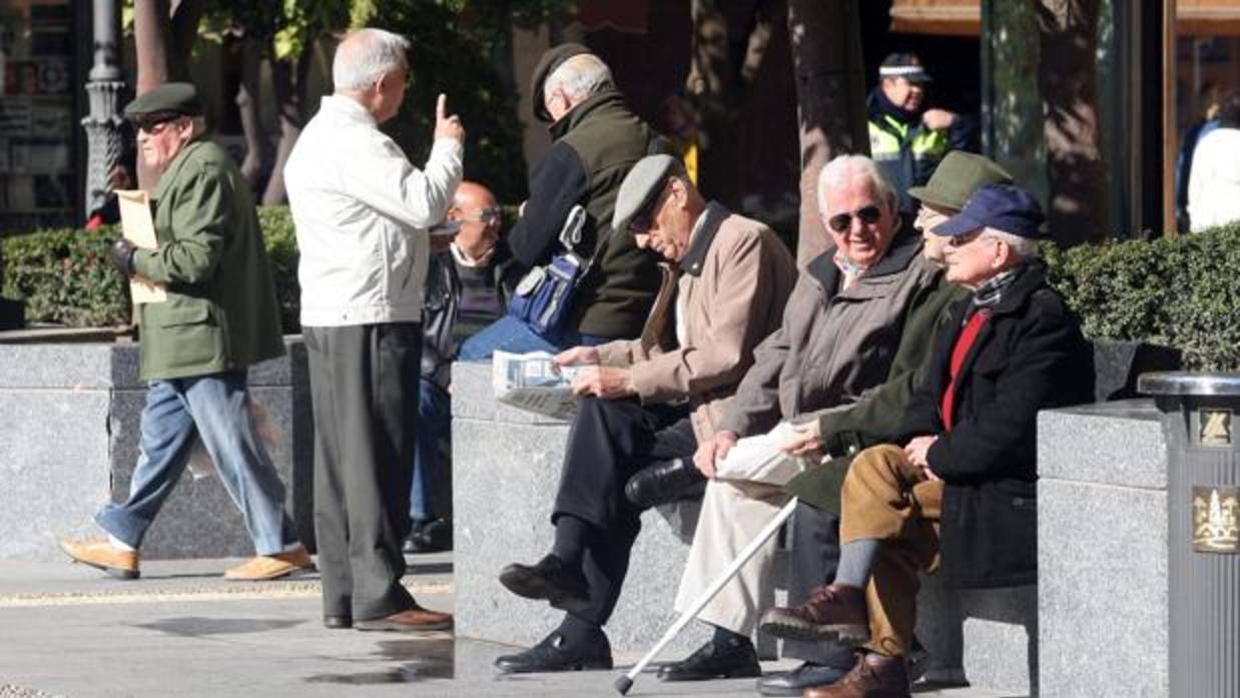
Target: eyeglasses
(155, 124)
(842, 221)
(962, 240)
(485, 215)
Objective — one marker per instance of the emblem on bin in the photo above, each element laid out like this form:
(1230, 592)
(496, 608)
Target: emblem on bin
(1216, 519)
(1215, 427)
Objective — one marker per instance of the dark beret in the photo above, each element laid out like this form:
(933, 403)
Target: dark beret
(553, 58)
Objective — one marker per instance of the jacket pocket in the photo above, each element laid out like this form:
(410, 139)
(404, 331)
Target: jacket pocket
(175, 316)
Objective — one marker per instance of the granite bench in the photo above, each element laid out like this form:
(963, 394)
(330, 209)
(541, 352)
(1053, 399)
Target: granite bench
(69, 442)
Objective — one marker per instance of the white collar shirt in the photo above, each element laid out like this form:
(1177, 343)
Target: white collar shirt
(362, 211)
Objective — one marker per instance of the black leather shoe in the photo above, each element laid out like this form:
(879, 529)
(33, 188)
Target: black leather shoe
(793, 683)
(550, 580)
(337, 622)
(429, 537)
(663, 482)
(555, 654)
(714, 661)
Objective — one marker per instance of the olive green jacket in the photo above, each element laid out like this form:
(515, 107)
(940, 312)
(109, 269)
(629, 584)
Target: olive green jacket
(221, 311)
(876, 417)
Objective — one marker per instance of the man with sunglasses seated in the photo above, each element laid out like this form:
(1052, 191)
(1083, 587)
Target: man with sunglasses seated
(839, 335)
(960, 493)
(467, 288)
(649, 400)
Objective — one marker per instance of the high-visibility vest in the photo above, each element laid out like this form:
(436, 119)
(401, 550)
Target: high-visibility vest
(906, 155)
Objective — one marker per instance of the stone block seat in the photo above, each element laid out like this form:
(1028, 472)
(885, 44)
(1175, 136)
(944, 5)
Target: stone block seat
(71, 435)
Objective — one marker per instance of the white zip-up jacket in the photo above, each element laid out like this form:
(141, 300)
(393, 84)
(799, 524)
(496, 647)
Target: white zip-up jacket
(362, 211)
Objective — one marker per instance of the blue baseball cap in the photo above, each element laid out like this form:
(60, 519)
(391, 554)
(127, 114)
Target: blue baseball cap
(1005, 207)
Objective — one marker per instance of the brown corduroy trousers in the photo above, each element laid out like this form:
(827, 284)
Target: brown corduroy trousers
(887, 498)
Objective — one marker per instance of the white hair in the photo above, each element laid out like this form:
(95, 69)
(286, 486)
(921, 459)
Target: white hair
(1023, 248)
(579, 77)
(842, 170)
(365, 56)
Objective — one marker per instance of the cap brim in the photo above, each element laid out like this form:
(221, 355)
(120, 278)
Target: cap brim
(926, 195)
(957, 225)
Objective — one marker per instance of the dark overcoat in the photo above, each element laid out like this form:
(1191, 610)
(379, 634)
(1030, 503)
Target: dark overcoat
(1029, 356)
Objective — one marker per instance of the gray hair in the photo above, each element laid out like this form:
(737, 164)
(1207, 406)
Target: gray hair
(840, 172)
(1023, 248)
(579, 77)
(365, 56)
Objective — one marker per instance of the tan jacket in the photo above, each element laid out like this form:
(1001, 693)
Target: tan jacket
(833, 345)
(732, 283)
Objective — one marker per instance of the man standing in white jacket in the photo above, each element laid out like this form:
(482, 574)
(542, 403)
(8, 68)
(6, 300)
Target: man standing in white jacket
(362, 212)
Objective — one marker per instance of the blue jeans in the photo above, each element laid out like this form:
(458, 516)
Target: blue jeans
(510, 334)
(434, 428)
(216, 407)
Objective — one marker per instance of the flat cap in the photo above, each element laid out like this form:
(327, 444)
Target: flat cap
(958, 175)
(640, 188)
(552, 58)
(174, 98)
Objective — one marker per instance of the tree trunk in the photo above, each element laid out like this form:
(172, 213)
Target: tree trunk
(1075, 169)
(257, 144)
(830, 82)
(163, 41)
(289, 80)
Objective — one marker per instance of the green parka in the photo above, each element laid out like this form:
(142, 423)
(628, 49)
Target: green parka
(221, 311)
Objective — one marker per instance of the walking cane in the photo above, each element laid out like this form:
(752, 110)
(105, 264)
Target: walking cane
(624, 683)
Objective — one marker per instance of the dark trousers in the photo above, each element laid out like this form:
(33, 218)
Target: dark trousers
(364, 383)
(814, 557)
(610, 441)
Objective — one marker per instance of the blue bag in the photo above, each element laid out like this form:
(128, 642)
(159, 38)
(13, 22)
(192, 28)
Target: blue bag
(544, 297)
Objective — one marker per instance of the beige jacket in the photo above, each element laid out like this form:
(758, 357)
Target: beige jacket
(833, 345)
(733, 283)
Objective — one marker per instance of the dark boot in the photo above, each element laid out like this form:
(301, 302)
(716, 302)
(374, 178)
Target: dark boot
(874, 676)
(833, 612)
(564, 587)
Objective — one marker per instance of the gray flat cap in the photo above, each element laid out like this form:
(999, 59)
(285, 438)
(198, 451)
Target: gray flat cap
(640, 188)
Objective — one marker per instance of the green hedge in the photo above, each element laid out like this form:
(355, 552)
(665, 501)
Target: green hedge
(1180, 292)
(65, 277)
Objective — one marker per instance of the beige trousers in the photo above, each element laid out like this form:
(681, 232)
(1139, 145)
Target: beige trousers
(743, 498)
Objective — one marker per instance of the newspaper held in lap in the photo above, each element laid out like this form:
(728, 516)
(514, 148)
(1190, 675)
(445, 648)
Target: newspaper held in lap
(533, 382)
(759, 459)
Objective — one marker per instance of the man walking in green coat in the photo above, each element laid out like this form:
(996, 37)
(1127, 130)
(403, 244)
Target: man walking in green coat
(219, 318)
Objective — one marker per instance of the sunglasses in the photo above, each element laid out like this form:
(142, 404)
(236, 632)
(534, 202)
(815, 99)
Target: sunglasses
(842, 221)
(155, 123)
(486, 215)
(962, 240)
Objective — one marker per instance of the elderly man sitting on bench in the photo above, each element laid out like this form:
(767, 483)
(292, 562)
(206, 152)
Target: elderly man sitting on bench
(963, 485)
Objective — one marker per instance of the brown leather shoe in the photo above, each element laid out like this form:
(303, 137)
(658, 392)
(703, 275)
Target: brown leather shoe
(264, 567)
(416, 619)
(122, 564)
(873, 676)
(836, 612)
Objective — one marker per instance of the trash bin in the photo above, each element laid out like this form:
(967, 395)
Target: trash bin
(1203, 490)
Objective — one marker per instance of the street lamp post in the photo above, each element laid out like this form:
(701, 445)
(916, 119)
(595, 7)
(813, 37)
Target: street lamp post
(104, 87)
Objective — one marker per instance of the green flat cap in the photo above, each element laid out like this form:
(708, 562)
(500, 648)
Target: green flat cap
(552, 58)
(641, 186)
(179, 98)
(958, 175)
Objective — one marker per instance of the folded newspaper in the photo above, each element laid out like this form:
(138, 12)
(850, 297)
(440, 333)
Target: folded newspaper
(534, 383)
(760, 458)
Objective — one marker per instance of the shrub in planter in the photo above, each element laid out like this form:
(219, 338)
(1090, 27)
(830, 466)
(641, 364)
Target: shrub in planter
(65, 277)
(1181, 292)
